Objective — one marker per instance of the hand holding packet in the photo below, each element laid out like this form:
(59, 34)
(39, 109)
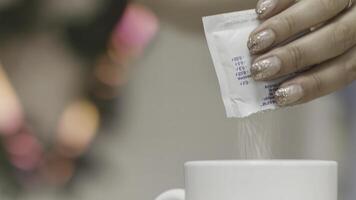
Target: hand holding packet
(227, 36)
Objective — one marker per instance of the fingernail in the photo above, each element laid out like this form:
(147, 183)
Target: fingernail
(289, 95)
(266, 68)
(265, 6)
(261, 41)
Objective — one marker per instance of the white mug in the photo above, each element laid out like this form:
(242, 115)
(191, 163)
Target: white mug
(257, 180)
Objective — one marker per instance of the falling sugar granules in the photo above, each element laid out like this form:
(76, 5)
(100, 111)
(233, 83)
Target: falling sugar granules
(256, 135)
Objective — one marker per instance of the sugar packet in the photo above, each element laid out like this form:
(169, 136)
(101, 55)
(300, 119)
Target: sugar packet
(227, 35)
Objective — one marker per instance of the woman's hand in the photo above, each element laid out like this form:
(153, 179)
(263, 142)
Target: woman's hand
(324, 59)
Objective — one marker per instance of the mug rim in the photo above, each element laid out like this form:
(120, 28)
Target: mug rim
(220, 163)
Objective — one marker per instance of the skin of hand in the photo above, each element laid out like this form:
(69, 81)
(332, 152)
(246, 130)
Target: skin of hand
(321, 61)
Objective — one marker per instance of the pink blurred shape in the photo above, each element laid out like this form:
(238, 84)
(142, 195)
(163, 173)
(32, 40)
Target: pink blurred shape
(24, 150)
(11, 116)
(136, 29)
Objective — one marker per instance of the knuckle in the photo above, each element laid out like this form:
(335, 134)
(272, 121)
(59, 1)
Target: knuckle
(316, 83)
(332, 6)
(296, 57)
(287, 24)
(343, 36)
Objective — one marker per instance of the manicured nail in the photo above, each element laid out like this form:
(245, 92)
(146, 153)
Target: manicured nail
(261, 41)
(289, 95)
(265, 6)
(266, 68)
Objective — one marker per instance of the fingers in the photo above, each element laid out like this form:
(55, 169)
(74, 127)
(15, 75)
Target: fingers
(299, 17)
(317, 47)
(268, 8)
(320, 81)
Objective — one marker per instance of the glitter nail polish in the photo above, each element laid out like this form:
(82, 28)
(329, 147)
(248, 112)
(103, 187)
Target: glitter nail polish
(265, 6)
(289, 95)
(266, 68)
(261, 41)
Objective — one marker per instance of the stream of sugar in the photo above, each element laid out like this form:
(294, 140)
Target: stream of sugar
(256, 135)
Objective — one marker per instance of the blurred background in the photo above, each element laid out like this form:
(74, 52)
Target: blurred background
(109, 98)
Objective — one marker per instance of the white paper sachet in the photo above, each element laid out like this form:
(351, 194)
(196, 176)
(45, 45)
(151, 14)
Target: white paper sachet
(227, 36)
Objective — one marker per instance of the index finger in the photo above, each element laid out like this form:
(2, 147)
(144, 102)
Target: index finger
(292, 21)
(268, 8)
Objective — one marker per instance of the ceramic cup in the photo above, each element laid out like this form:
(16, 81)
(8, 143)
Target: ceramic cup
(257, 180)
